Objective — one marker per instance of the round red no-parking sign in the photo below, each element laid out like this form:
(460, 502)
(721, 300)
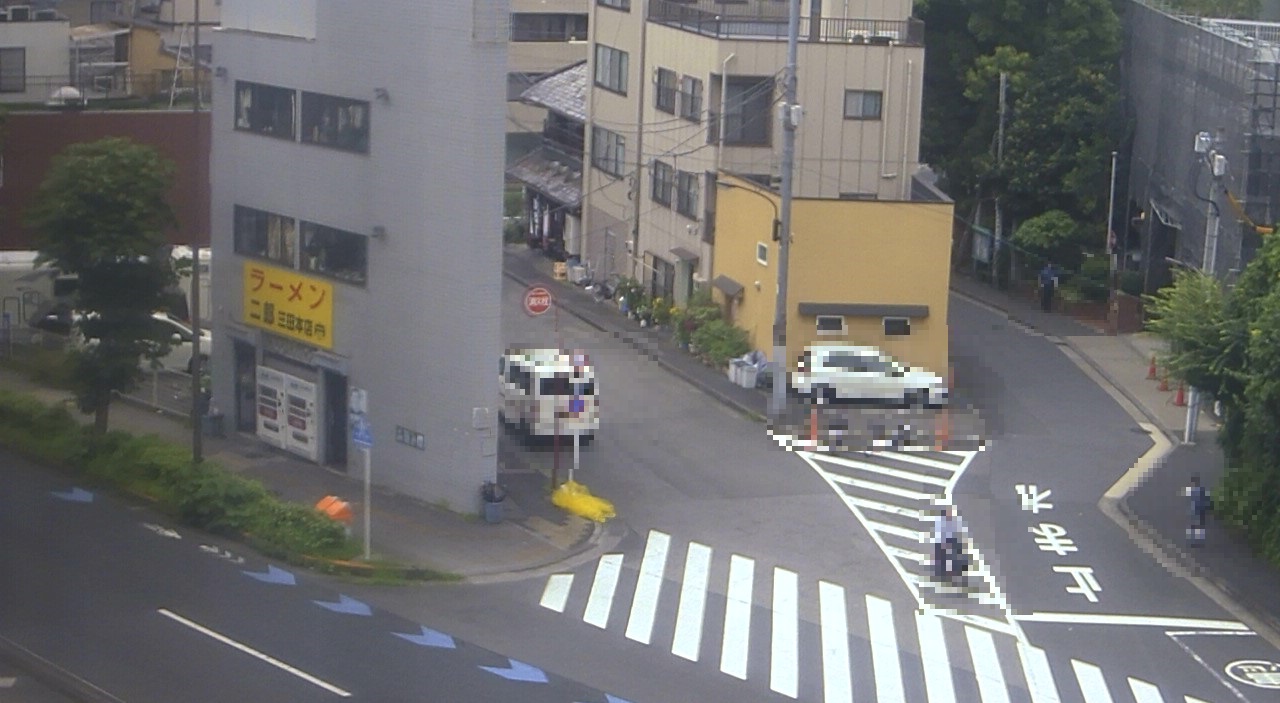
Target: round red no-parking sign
(537, 300)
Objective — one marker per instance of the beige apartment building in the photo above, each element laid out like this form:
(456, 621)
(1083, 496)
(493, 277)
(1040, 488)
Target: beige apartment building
(546, 36)
(683, 89)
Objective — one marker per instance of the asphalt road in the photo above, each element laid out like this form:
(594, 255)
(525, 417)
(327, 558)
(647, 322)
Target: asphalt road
(147, 612)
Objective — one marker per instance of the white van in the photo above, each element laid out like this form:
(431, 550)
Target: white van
(543, 391)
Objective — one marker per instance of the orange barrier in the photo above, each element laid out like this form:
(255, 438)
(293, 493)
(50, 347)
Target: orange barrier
(1151, 370)
(1180, 398)
(1164, 382)
(335, 508)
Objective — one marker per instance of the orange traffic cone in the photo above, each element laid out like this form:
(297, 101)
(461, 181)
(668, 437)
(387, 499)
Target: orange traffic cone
(1151, 370)
(1180, 398)
(942, 432)
(813, 428)
(1164, 382)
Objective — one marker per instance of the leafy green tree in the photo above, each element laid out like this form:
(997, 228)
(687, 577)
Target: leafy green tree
(1052, 235)
(100, 214)
(1190, 316)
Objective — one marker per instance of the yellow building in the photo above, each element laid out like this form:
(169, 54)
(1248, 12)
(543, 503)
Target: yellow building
(866, 272)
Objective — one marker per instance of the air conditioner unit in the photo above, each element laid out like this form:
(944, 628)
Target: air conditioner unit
(856, 36)
(19, 13)
(577, 274)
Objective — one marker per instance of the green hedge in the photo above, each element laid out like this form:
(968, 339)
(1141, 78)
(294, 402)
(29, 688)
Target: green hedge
(204, 496)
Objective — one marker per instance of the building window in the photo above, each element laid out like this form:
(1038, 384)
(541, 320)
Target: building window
(830, 325)
(624, 5)
(335, 253)
(862, 104)
(687, 194)
(748, 102)
(611, 69)
(13, 70)
(762, 253)
(691, 98)
(265, 109)
(265, 235)
(340, 123)
(664, 98)
(548, 26)
(663, 181)
(897, 326)
(520, 81)
(608, 151)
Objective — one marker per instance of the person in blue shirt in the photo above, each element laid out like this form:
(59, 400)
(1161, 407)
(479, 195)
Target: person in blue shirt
(1048, 284)
(1200, 502)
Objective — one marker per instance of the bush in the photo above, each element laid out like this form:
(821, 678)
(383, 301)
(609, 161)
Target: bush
(1249, 499)
(718, 342)
(300, 530)
(1093, 280)
(1131, 282)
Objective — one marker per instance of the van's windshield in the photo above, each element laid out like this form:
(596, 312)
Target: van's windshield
(561, 385)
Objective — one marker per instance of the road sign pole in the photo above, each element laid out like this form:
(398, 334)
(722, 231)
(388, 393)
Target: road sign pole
(368, 505)
(574, 468)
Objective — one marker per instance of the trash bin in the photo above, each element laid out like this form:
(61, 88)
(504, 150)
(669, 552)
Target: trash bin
(492, 496)
(735, 371)
(747, 374)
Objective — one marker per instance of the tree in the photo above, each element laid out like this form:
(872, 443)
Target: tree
(100, 214)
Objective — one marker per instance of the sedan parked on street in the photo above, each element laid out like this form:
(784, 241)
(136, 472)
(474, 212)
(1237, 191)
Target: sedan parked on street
(830, 372)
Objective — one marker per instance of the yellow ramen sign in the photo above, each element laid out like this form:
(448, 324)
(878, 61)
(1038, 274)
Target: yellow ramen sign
(289, 304)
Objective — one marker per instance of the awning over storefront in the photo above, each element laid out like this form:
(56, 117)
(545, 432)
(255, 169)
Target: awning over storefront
(864, 310)
(551, 172)
(728, 286)
(1165, 216)
(684, 254)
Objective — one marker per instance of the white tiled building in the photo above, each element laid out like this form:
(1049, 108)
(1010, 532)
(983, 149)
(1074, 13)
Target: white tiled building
(357, 166)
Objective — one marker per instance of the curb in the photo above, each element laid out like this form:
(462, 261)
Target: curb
(640, 346)
(54, 676)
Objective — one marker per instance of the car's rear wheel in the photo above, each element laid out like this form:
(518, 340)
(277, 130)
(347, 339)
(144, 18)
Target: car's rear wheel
(917, 399)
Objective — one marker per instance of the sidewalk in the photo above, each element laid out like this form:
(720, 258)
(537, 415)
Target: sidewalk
(1155, 507)
(533, 535)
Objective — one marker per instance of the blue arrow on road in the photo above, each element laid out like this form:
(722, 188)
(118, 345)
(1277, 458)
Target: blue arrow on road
(75, 495)
(345, 604)
(518, 671)
(428, 638)
(273, 575)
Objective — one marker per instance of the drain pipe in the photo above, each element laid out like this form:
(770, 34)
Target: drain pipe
(724, 85)
(906, 133)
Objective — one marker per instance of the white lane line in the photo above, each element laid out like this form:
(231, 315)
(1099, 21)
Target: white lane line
(693, 601)
(888, 471)
(884, 651)
(644, 605)
(1151, 620)
(602, 589)
(907, 554)
(881, 488)
(737, 617)
(556, 594)
(986, 665)
(837, 679)
(919, 459)
(1144, 692)
(254, 653)
(783, 672)
(903, 532)
(1192, 699)
(933, 658)
(889, 508)
(1035, 668)
(1092, 685)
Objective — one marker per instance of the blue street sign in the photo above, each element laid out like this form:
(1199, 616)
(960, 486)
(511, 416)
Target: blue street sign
(577, 405)
(361, 432)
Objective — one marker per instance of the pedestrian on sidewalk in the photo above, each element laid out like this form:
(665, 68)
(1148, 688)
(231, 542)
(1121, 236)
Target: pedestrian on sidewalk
(1200, 503)
(1048, 284)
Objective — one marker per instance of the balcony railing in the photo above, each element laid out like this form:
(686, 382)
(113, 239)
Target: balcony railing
(767, 21)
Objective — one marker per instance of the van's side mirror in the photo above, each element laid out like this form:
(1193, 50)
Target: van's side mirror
(176, 338)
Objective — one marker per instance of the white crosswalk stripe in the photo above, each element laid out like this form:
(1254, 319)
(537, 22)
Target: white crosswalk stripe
(839, 655)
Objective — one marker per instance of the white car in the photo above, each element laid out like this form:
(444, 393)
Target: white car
(840, 372)
(181, 349)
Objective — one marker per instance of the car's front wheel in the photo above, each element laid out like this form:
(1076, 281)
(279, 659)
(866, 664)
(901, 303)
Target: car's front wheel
(917, 399)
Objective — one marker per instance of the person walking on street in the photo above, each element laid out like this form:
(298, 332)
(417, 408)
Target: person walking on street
(946, 543)
(1200, 503)
(1048, 284)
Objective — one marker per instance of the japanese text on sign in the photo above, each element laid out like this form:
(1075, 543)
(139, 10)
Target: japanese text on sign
(289, 304)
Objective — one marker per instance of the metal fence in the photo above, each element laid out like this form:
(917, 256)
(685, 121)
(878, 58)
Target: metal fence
(154, 87)
(768, 21)
(1184, 75)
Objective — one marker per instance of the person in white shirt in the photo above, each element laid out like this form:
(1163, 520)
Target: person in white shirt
(947, 528)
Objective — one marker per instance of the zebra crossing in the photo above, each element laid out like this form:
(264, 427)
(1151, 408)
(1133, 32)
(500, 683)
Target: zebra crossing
(723, 619)
(896, 495)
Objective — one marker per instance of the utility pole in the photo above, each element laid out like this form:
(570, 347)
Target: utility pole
(790, 120)
(1111, 210)
(638, 176)
(197, 368)
(999, 233)
(1217, 163)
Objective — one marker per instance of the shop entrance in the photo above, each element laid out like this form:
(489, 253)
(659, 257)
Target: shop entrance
(335, 420)
(246, 387)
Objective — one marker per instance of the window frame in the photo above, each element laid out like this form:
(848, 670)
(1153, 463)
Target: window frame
(762, 253)
(4, 73)
(356, 141)
(244, 118)
(862, 115)
(749, 90)
(548, 26)
(665, 91)
(662, 183)
(606, 140)
(262, 226)
(612, 66)
(621, 5)
(688, 193)
(828, 332)
(898, 322)
(308, 229)
(692, 92)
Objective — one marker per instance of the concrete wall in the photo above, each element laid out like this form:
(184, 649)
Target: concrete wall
(843, 251)
(422, 336)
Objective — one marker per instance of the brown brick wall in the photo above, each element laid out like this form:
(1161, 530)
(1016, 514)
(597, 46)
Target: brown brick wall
(32, 139)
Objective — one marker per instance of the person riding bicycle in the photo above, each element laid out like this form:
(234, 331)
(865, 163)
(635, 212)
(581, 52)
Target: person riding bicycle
(1200, 503)
(947, 550)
